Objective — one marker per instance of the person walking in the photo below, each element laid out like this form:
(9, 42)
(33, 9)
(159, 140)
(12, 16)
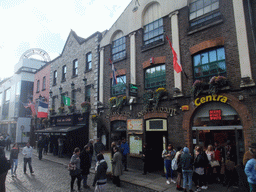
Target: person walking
(100, 178)
(8, 142)
(14, 159)
(5, 166)
(187, 169)
(125, 151)
(46, 144)
(76, 174)
(60, 147)
(40, 146)
(168, 156)
(179, 170)
(85, 165)
(250, 172)
(2, 142)
(117, 166)
(27, 152)
(145, 158)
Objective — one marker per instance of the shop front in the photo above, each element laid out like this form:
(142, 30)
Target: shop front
(218, 118)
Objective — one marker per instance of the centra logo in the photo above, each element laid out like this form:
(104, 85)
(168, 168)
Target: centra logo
(209, 98)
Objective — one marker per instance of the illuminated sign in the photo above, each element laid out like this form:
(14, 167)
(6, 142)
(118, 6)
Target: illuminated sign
(209, 98)
(215, 114)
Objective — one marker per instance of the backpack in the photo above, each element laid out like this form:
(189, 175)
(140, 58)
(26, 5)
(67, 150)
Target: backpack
(174, 164)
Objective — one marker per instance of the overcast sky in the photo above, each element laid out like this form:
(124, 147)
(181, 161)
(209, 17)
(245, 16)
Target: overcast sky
(46, 24)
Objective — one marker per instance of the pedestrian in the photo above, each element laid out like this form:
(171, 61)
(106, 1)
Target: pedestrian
(8, 142)
(217, 157)
(98, 147)
(90, 144)
(117, 167)
(76, 174)
(250, 153)
(46, 144)
(210, 155)
(179, 170)
(230, 163)
(168, 156)
(2, 142)
(60, 147)
(199, 165)
(14, 159)
(40, 146)
(145, 158)
(100, 178)
(250, 172)
(125, 151)
(27, 152)
(85, 165)
(187, 169)
(113, 145)
(5, 166)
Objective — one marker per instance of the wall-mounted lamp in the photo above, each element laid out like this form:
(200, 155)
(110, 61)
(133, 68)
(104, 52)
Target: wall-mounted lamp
(50, 93)
(60, 89)
(85, 81)
(72, 85)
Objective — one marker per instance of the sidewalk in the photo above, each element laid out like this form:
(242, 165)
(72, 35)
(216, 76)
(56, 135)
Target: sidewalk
(151, 180)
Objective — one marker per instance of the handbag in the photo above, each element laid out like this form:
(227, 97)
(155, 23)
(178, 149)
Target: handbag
(71, 167)
(214, 163)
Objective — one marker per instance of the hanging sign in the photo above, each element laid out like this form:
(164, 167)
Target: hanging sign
(215, 114)
(133, 90)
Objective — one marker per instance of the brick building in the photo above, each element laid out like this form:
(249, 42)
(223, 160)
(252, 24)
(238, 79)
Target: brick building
(73, 83)
(149, 102)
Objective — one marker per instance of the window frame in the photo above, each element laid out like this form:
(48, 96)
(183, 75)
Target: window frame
(88, 90)
(44, 83)
(203, 65)
(161, 77)
(120, 85)
(75, 68)
(149, 33)
(120, 48)
(55, 75)
(64, 73)
(38, 86)
(88, 66)
(73, 97)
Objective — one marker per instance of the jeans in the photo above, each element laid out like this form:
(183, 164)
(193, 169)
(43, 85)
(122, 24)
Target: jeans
(79, 179)
(60, 150)
(14, 165)
(27, 160)
(187, 178)
(168, 167)
(84, 178)
(125, 161)
(252, 187)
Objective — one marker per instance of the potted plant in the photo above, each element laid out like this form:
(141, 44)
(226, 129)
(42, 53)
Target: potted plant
(85, 106)
(216, 83)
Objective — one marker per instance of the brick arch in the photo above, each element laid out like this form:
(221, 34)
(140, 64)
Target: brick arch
(206, 45)
(155, 115)
(241, 110)
(118, 118)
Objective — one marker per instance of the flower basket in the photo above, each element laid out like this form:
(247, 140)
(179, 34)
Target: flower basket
(85, 106)
(147, 99)
(198, 86)
(120, 102)
(61, 110)
(216, 83)
(71, 108)
(158, 94)
(112, 103)
(95, 119)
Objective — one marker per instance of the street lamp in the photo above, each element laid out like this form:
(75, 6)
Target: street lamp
(72, 85)
(50, 93)
(85, 81)
(60, 89)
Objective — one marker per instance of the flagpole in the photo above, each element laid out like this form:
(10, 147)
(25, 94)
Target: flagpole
(117, 73)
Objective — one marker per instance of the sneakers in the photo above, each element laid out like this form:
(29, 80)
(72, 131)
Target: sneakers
(173, 181)
(204, 187)
(168, 182)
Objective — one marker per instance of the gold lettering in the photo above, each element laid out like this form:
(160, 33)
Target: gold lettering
(168, 110)
(208, 98)
(165, 109)
(214, 97)
(196, 103)
(202, 99)
(224, 99)
(161, 109)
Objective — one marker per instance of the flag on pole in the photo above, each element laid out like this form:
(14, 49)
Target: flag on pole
(66, 100)
(176, 63)
(30, 105)
(114, 79)
(42, 111)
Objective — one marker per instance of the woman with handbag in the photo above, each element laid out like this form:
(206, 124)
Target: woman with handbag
(76, 172)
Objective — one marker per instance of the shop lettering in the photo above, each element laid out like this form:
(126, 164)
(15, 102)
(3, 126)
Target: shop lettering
(209, 98)
(171, 111)
(122, 113)
(64, 120)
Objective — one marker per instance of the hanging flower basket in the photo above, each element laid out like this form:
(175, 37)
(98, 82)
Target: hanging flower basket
(198, 87)
(85, 106)
(95, 119)
(52, 111)
(112, 103)
(71, 108)
(158, 94)
(120, 102)
(147, 99)
(216, 83)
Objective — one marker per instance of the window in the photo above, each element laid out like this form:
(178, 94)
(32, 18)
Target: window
(153, 32)
(64, 72)
(73, 97)
(88, 61)
(209, 63)
(88, 93)
(155, 77)
(203, 11)
(37, 86)
(75, 68)
(7, 95)
(44, 83)
(55, 77)
(53, 102)
(120, 87)
(118, 49)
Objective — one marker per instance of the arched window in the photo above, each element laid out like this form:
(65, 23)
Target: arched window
(118, 47)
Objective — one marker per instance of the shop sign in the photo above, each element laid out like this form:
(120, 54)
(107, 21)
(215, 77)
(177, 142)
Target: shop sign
(215, 114)
(64, 120)
(133, 90)
(134, 124)
(209, 98)
(122, 113)
(171, 111)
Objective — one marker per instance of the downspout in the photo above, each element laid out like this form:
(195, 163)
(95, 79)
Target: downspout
(251, 23)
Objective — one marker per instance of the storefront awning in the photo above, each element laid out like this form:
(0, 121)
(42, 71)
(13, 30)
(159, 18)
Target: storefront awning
(62, 129)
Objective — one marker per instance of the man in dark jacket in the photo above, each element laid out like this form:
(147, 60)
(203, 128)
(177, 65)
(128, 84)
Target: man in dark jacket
(40, 146)
(100, 177)
(98, 147)
(5, 166)
(85, 165)
(90, 144)
(187, 168)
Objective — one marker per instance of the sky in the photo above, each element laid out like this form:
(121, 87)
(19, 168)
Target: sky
(27, 24)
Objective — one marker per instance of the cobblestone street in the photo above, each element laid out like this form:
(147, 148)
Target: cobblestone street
(52, 177)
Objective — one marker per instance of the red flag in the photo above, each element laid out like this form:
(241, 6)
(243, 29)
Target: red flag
(176, 64)
(114, 81)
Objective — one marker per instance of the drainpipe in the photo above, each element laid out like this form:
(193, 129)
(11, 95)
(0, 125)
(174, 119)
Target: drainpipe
(251, 23)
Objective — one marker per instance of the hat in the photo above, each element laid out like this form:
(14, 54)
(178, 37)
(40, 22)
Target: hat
(253, 145)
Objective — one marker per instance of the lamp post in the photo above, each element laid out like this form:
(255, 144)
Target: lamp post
(22, 129)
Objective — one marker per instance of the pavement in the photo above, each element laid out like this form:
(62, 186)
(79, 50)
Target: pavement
(152, 181)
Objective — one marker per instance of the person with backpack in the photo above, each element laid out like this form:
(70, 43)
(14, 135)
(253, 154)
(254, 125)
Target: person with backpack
(100, 178)
(168, 156)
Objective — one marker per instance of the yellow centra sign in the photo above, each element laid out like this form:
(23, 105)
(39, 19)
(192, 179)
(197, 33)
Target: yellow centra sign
(209, 98)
